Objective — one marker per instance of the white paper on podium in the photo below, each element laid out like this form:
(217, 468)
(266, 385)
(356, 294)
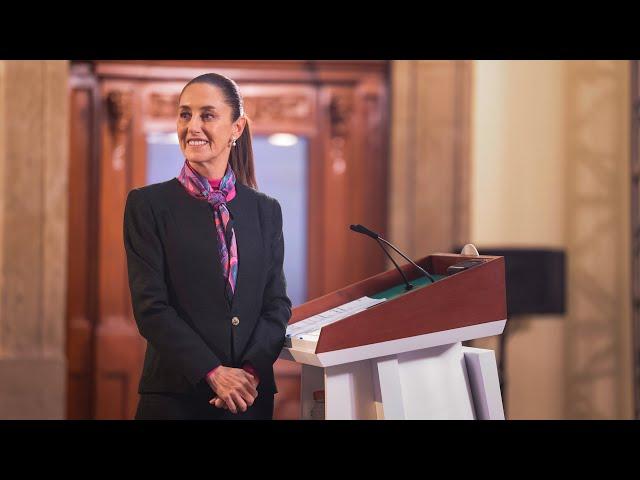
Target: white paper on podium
(312, 325)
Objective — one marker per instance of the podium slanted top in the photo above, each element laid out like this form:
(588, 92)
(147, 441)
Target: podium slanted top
(458, 307)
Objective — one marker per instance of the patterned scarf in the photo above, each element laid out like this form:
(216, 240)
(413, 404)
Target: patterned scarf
(199, 187)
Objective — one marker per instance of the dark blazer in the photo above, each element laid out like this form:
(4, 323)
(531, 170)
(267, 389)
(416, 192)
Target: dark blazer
(177, 287)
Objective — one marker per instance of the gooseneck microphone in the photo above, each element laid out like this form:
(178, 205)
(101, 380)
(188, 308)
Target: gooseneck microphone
(374, 235)
(408, 286)
(369, 233)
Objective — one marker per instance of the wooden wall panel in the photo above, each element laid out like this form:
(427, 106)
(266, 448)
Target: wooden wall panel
(119, 346)
(81, 248)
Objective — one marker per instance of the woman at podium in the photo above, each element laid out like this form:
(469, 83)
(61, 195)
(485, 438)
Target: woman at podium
(205, 257)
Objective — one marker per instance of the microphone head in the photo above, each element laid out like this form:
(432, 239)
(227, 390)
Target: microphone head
(365, 231)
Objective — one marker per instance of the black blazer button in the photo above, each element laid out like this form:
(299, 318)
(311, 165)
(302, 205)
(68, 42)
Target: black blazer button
(235, 321)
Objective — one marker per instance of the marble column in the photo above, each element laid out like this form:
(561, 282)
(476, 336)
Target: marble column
(34, 141)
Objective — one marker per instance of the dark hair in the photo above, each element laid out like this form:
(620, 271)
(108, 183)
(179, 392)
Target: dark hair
(241, 156)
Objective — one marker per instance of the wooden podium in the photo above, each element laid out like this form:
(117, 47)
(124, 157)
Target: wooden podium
(403, 358)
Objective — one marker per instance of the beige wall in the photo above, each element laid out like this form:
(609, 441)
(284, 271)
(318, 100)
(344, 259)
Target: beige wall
(518, 151)
(34, 142)
(550, 169)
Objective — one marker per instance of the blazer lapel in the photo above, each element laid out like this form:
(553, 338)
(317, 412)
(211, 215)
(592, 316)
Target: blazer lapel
(242, 228)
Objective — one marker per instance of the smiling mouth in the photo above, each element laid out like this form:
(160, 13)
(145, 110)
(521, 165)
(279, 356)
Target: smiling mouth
(197, 143)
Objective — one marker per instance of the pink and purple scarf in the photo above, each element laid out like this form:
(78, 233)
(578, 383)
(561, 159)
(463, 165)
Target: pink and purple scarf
(199, 187)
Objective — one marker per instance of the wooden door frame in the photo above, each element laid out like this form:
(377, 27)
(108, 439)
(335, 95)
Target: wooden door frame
(119, 116)
(635, 230)
(82, 247)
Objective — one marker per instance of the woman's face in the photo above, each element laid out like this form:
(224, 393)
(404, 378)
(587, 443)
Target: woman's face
(205, 127)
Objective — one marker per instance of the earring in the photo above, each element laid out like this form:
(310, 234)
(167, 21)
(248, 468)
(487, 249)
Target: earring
(234, 142)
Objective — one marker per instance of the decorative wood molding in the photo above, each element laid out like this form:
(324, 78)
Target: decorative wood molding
(262, 109)
(340, 112)
(261, 71)
(119, 110)
(163, 105)
(278, 108)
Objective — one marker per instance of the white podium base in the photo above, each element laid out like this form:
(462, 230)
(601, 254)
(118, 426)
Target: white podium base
(443, 382)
